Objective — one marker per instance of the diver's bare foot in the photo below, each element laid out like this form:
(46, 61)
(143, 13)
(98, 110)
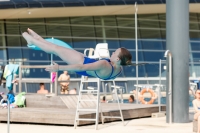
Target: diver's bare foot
(27, 37)
(33, 34)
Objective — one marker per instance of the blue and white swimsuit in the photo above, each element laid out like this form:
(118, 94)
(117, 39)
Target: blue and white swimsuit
(89, 60)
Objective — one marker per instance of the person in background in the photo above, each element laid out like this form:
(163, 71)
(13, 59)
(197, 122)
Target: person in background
(131, 99)
(73, 91)
(104, 99)
(64, 86)
(196, 105)
(42, 89)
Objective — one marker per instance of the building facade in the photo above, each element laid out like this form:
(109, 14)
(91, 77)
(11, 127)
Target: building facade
(83, 24)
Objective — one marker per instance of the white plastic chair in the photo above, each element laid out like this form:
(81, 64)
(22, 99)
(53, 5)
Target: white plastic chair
(101, 51)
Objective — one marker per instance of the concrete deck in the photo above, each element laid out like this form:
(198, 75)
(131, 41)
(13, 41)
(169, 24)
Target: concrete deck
(61, 110)
(143, 125)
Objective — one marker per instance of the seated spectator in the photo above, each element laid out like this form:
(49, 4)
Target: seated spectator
(131, 99)
(64, 86)
(196, 105)
(138, 95)
(72, 91)
(42, 89)
(104, 99)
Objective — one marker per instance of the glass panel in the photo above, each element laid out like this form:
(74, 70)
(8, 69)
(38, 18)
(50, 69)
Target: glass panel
(35, 55)
(81, 20)
(148, 70)
(14, 53)
(129, 44)
(35, 72)
(126, 20)
(193, 17)
(194, 26)
(105, 20)
(13, 41)
(147, 34)
(152, 70)
(196, 56)
(153, 56)
(129, 71)
(112, 44)
(111, 32)
(58, 27)
(1, 24)
(162, 16)
(154, 45)
(195, 46)
(126, 33)
(84, 43)
(79, 29)
(162, 20)
(144, 22)
(106, 32)
(195, 68)
(195, 35)
(148, 16)
(2, 54)
(140, 56)
(12, 26)
(1, 38)
(164, 45)
(163, 34)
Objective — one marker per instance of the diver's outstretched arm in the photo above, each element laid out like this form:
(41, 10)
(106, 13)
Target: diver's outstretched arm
(99, 65)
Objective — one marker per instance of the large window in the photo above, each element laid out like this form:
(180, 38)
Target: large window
(85, 32)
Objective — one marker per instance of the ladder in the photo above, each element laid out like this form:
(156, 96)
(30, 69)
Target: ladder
(97, 101)
(96, 110)
(119, 107)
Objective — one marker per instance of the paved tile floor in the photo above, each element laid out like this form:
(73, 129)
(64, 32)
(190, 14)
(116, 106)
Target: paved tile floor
(143, 125)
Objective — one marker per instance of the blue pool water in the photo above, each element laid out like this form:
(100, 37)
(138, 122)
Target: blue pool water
(162, 100)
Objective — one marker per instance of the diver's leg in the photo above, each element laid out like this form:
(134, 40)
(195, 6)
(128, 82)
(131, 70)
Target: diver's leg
(70, 56)
(35, 35)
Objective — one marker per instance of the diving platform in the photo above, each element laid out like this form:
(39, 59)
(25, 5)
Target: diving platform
(51, 109)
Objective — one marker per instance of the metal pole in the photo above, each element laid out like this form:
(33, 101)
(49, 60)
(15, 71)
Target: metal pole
(136, 50)
(120, 111)
(177, 38)
(51, 85)
(160, 76)
(170, 87)
(97, 104)
(56, 84)
(160, 67)
(20, 79)
(8, 121)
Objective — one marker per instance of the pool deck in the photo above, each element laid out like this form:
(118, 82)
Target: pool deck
(137, 118)
(142, 125)
(61, 110)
